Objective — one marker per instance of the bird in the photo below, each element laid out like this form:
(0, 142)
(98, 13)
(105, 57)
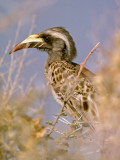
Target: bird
(61, 72)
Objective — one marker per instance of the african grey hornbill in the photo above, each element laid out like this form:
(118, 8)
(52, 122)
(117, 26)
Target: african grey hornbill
(61, 72)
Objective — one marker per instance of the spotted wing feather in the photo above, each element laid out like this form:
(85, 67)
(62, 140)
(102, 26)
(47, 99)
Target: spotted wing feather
(61, 79)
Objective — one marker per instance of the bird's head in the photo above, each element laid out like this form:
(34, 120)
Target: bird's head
(56, 41)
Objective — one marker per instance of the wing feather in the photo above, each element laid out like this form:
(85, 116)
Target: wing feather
(81, 103)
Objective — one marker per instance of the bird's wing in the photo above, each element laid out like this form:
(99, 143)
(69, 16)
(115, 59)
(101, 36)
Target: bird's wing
(86, 72)
(79, 95)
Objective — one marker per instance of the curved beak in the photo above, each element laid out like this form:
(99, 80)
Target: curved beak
(30, 42)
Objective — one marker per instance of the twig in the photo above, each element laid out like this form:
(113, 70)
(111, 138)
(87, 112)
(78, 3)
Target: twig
(58, 131)
(56, 120)
(65, 121)
(83, 64)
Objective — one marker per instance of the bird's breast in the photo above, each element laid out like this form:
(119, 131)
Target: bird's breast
(59, 77)
(58, 73)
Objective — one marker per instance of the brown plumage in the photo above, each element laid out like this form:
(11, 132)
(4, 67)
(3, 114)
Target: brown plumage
(61, 72)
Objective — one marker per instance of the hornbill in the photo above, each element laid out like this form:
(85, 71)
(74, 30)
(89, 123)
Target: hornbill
(61, 72)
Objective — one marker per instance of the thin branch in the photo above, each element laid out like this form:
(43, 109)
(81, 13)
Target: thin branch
(58, 131)
(56, 120)
(84, 62)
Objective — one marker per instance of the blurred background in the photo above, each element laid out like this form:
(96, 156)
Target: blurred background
(88, 22)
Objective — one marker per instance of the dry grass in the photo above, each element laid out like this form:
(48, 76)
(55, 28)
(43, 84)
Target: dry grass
(20, 121)
(108, 85)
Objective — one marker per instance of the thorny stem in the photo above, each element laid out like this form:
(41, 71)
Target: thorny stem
(81, 68)
(56, 120)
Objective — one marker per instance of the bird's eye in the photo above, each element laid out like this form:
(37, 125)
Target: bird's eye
(47, 39)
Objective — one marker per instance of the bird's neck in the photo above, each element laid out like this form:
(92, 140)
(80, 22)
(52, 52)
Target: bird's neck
(55, 55)
(51, 60)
